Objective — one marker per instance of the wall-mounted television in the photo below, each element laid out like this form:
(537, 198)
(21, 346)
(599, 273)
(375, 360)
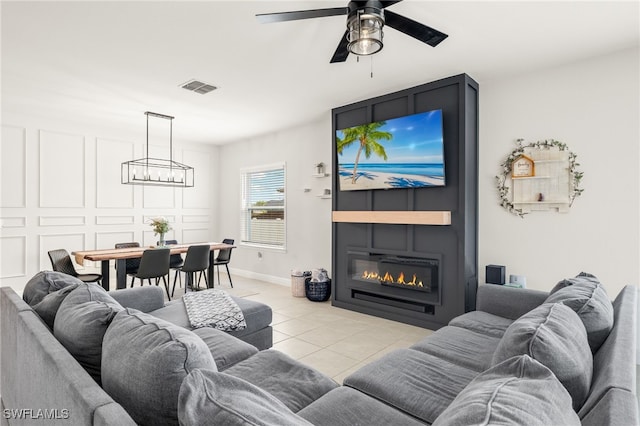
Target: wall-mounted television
(404, 152)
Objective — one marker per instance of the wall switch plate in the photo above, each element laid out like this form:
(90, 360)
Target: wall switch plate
(518, 280)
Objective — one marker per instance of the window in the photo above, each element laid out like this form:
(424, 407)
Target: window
(262, 221)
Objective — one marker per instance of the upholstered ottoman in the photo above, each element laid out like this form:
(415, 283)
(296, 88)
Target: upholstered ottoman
(257, 315)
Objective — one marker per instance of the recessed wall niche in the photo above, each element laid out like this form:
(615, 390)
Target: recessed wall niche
(452, 243)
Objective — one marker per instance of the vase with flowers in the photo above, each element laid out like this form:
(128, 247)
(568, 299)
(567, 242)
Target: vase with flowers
(160, 227)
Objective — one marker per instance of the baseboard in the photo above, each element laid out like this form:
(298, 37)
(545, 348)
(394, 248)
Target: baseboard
(261, 277)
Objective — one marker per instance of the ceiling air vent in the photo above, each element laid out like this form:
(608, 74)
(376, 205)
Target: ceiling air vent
(198, 86)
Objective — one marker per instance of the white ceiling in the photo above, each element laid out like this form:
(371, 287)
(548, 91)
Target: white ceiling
(105, 63)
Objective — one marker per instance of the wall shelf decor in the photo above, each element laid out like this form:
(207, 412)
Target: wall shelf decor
(539, 176)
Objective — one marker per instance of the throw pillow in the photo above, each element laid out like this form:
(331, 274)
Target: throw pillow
(581, 277)
(588, 298)
(45, 282)
(208, 397)
(144, 361)
(48, 307)
(80, 324)
(553, 335)
(518, 391)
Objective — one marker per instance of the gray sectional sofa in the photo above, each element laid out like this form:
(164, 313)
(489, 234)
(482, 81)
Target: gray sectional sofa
(523, 357)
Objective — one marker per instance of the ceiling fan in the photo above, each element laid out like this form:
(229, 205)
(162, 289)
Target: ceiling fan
(365, 20)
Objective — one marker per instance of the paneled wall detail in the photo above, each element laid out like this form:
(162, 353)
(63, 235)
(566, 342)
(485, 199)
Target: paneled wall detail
(202, 174)
(192, 218)
(62, 220)
(13, 259)
(70, 241)
(62, 170)
(197, 235)
(13, 222)
(115, 220)
(13, 167)
(110, 193)
(111, 238)
(61, 188)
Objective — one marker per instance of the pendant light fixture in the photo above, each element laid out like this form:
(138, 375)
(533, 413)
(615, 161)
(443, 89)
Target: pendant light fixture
(157, 171)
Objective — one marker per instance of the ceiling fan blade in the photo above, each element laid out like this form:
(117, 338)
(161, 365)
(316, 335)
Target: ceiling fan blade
(414, 29)
(389, 3)
(341, 52)
(266, 18)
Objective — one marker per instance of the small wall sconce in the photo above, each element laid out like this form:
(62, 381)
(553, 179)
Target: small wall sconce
(320, 168)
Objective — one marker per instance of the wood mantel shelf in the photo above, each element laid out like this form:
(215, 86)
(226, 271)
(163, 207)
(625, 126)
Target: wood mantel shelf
(393, 217)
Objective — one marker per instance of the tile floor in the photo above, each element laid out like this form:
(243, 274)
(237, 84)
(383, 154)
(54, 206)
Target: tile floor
(335, 341)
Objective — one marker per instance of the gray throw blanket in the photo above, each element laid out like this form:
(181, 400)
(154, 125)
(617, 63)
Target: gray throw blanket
(214, 308)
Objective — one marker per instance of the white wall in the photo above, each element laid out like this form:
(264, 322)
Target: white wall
(593, 106)
(60, 188)
(308, 217)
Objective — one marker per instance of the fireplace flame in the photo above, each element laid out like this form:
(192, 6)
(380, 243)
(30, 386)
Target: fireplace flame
(388, 278)
(370, 275)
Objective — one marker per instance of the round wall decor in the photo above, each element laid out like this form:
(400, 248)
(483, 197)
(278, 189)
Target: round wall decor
(539, 176)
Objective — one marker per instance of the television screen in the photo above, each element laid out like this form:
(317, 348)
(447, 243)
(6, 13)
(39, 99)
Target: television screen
(404, 152)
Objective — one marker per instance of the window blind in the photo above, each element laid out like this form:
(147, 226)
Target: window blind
(262, 216)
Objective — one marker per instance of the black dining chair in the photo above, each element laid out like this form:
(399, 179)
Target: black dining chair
(175, 262)
(132, 265)
(154, 263)
(61, 262)
(196, 260)
(224, 257)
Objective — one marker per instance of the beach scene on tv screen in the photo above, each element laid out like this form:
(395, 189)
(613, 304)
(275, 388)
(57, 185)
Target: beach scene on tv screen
(404, 152)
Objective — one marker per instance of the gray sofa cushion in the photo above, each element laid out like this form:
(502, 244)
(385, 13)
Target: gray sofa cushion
(482, 322)
(553, 335)
(460, 346)
(45, 282)
(292, 382)
(145, 360)
(226, 350)
(586, 296)
(48, 307)
(208, 397)
(81, 322)
(518, 391)
(344, 406)
(581, 277)
(419, 384)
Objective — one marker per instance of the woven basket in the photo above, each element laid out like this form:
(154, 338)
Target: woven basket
(317, 292)
(297, 285)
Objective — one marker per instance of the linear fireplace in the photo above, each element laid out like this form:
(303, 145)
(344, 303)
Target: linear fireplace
(396, 271)
(396, 281)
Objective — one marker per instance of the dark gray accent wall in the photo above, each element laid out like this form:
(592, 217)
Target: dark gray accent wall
(455, 244)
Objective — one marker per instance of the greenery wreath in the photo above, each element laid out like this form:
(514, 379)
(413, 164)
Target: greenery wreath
(503, 189)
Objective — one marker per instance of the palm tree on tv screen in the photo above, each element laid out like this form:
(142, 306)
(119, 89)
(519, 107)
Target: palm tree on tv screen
(369, 136)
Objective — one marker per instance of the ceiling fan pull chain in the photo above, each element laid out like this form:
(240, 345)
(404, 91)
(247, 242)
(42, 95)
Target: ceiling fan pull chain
(371, 66)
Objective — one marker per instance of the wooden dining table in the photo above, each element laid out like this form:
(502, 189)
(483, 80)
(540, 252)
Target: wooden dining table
(122, 254)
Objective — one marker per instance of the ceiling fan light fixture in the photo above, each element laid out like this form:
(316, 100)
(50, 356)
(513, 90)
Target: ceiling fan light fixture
(365, 31)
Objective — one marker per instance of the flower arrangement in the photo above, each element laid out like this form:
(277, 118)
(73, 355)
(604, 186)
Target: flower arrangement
(502, 178)
(160, 225)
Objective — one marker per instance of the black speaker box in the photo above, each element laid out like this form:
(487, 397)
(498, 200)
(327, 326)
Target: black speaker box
(495, 274)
